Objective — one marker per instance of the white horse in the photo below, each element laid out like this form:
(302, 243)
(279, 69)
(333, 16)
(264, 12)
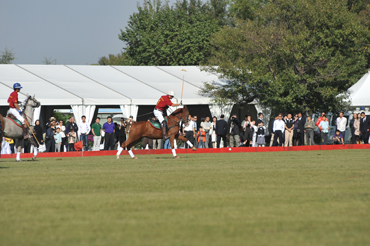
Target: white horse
(9, 129)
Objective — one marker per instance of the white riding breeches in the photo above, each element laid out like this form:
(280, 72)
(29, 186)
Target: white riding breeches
(159, 115)
(17, 115)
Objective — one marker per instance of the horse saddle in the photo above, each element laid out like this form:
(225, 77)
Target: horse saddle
(156, 124)
(12, 117)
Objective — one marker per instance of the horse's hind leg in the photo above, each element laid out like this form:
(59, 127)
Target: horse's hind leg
(182, 138)
(172, 141)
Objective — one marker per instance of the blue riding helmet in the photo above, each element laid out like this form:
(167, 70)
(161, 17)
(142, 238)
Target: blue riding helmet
(17, 86)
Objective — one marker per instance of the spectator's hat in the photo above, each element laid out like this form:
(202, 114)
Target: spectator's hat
(171, 93)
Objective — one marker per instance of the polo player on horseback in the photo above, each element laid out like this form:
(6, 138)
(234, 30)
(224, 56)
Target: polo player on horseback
(14, 107)
(163, 103)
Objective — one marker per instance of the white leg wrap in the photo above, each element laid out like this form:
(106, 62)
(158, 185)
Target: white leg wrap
(119, 150)
(174, 152)
(35, 152)
(18, 156)
(131, 154)
(190, 144)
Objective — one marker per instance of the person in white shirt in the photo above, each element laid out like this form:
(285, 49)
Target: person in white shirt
(341, 125)
(278, 129)
(84, 130)
(188, 130)
(254, 136)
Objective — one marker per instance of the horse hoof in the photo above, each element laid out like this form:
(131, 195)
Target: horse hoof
(177, 157)
(117, 157)
(135, 158)
(34, 158)
(194, 149)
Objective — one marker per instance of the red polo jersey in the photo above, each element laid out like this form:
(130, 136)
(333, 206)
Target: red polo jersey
(163, 103)
(13, 98)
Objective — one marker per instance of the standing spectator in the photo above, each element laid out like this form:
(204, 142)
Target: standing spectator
(221, 131)
(354, 124)
(207, 126)
(248, 135)
(71, 124)
(122, 132)
(254, 133)
(341, 124)
(234, 125)
(96, 130)
(338, 138)
(301, 123)
(109, 130)
(309, 127)
(213, 129)
(364, 128)
(63, 135)
(296, 133)
(58, 139)
(188, 130)
(50, 142)
(324, 128)
(318, 123)
(261, 141)
(278, 128)
(38, 133)
(260, 118)
(72, 138)
(167, 143)
(84, 129)
(272, 131)
(289, 131)
(196, 128)
(201, 136)
(10, 141)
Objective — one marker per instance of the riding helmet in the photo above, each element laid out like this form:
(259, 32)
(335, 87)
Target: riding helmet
(17, 86)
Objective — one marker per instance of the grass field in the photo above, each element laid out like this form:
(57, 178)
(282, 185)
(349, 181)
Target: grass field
(280, 198)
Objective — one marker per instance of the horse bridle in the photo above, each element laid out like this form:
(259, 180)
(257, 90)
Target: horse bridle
(177, 123)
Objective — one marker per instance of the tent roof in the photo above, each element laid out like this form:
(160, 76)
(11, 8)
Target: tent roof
(104, 85)
(359, 92)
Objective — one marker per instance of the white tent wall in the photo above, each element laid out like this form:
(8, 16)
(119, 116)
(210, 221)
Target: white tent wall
(129, 110)
(36, 115)
(217, 110)
(80, 110)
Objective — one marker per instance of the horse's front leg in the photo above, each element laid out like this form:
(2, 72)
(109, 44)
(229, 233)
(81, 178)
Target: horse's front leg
(172, 141)
(182, 138)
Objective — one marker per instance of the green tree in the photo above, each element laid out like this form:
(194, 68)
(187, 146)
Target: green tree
(119, 59)
(7, 56)
(296, 55)
(179, 35)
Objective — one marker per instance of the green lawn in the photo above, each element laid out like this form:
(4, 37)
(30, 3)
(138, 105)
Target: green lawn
(281, 198)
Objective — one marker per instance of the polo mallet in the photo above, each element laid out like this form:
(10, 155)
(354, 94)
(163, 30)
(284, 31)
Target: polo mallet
(183, 80)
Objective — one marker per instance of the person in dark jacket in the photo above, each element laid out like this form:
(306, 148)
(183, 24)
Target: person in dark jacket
(71, 124)
(50, 141)
(221, 131)
(364, 128)
(301, 123)
(234, 125)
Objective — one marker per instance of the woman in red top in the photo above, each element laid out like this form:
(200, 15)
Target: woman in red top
(163, 103)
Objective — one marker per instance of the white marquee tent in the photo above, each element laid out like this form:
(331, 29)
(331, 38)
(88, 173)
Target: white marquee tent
(85, 87)
(359, 92)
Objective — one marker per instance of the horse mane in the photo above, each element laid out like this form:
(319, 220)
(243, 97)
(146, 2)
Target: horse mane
(179, 110)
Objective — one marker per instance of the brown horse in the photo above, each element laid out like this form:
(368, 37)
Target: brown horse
(146, 129)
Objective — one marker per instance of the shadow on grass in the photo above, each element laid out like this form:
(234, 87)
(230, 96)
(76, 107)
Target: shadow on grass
(4, 167)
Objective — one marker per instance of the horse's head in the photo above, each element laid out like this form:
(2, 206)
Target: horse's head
(31, 101)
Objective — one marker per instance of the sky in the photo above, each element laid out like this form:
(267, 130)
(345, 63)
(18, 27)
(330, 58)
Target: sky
(73, 32)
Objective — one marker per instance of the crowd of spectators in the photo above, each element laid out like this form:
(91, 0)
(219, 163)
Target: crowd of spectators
(285, 130)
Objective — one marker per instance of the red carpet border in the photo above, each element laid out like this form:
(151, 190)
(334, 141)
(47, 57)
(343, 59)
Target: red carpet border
(189, 151)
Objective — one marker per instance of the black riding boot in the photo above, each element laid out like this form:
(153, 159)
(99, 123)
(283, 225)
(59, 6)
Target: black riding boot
(164, 130)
